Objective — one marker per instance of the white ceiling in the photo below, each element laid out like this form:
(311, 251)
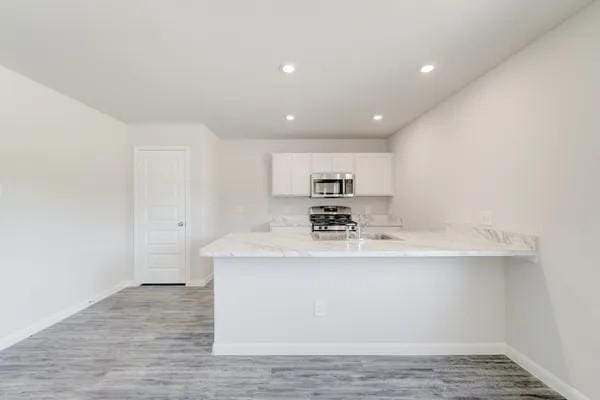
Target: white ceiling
(216, 61)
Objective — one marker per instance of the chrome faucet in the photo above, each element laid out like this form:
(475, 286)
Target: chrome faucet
(362, 222)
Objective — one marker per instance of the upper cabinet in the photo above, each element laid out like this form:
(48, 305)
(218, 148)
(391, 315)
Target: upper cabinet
(336, 162)
(291, 174)
(301, 174)
(372, 172)
(281, 173)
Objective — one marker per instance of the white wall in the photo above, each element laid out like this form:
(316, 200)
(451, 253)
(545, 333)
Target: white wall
(245, 168)
(205, 196)
(524, 143)
(65, 205)
(372, 306)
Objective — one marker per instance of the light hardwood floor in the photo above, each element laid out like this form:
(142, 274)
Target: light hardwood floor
(154, 343)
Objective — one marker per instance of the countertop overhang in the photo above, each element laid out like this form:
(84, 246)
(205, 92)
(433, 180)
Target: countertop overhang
(463, 242)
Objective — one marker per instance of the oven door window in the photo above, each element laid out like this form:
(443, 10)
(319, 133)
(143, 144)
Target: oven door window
(327, 187)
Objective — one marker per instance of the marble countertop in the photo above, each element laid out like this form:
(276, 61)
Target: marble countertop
(464, 242)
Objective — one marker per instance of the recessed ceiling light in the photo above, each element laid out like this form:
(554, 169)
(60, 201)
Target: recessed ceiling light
(290, 117)
(288, 68)
(427, 68)
(377, 117)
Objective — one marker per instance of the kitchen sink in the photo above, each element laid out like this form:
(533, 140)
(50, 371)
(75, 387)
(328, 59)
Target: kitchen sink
(342, 236)
(377, 236)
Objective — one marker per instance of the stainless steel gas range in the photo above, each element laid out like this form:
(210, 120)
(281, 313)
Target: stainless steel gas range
(331, 219)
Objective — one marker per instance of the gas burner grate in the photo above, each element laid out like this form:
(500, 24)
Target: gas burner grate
(339, 218)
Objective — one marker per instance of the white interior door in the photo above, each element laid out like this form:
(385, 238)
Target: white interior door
(161, 215)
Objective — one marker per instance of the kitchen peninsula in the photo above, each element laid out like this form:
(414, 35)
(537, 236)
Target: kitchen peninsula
(413, 293)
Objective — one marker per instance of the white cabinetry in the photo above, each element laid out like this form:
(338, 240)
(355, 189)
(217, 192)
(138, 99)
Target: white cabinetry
(291, 174)
(332, 162)
(301, 174)
(373, 174)
(281, 172)
(342, 163)
(321, 163)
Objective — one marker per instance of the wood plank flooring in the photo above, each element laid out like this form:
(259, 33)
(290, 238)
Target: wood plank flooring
(154, 343)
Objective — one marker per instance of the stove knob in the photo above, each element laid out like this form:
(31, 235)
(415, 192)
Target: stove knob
(325, 228)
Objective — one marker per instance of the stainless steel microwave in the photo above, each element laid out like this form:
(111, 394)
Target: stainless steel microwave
(332, 184)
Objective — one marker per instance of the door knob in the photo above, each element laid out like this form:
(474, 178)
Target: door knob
(180, 223)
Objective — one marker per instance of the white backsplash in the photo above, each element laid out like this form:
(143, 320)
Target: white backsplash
(359, 205)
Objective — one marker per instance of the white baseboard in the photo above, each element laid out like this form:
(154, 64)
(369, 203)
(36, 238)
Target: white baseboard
(551, 380)
(200, 282)
(262, 348)
(38, 326)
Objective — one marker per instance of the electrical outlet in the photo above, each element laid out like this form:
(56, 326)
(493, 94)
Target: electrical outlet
(320, 308)
(485, 218)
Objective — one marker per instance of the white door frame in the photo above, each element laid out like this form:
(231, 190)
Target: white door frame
(138, 273)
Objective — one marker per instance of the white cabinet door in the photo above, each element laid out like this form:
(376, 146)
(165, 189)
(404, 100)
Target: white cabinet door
(290, 174)
(373, 174)
(281, 182)
(321, 163)
(332, 162)
(342, 162)
(300, 176)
